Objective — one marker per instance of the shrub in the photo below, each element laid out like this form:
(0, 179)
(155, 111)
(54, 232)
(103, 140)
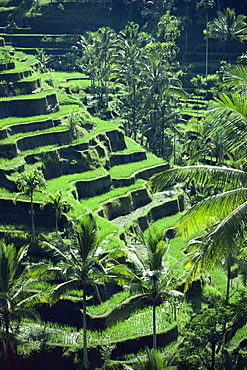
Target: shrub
(210, 294)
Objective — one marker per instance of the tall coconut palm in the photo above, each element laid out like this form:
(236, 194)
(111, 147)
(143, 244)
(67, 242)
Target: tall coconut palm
(97, 57)
(85, 263)
(28, 183)
(153, 280)
(227, 27)
(206, 4)
(59, 205)
(127, 71)
(16, 291)
(161, 92)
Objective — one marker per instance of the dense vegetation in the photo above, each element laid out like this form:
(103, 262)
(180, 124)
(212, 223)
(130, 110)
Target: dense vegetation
(92, 273)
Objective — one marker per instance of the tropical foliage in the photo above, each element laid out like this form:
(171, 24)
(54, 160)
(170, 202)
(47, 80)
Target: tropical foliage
(139, 68)
(227, 27)
(85, 263)
(17, 296)
(28, 183)
(223, 214)
(152, 279)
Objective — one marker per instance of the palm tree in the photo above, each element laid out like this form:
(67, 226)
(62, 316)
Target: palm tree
(16, 291)
(152, 279)
(227, 27)
(98, 49)
(206, 4)
(156, 362)
(230, 110)
(161, 91)
(59, 205)
(222, 215)
(28, 183)
(85, 263)
(127, 71)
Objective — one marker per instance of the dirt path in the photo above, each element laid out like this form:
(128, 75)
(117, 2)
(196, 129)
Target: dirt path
(158, 198)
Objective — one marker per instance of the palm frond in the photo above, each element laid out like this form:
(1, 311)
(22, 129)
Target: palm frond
(61, 290)
(209, 250)
(228, 231)
(86, 236)
(30, 299)
(201, 175)
(57, 251)
(195, 266)
(36, 270)
(22, 253)
(137, 261)
(8, 266)
(25, 314)
(118, 273)
(155, 361)
(231, 111)
(209, 211)
(236, 78)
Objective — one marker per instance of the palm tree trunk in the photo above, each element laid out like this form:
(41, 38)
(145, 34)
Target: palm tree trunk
(154, 326)
(56, 221)
(206, 67)
(212, 356)
(7, 327)
(228, 279)
(32, 218)
(229, 264)
(84, 323)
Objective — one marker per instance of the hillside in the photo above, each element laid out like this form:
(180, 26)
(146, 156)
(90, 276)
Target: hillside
(85, 156)
(91, 267)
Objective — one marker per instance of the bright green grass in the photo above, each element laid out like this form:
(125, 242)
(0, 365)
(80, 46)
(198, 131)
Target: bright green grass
(167, 222)
(39, 95)
(64, 182)
(63, 76)
(122, 171)
(64, 98)
(27, 59)
(13, 138)
(63, 111)
(218, 278)
(110, 303)
(11, 163)
(74, 84)
(18, 68)
(138, 324)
